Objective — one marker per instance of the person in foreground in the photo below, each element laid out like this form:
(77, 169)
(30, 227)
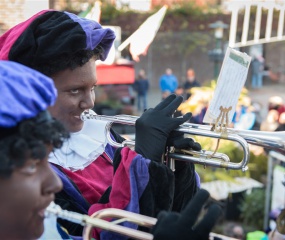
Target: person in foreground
(96, 175)
(27, 135)
(27, 183)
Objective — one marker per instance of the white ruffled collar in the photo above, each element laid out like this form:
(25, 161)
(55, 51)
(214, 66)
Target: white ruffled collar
(82, 148)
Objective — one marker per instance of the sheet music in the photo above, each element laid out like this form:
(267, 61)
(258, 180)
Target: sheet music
(229, 84)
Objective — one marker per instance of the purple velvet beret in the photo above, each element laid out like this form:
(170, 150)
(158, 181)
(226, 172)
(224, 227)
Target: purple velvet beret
(24, 93)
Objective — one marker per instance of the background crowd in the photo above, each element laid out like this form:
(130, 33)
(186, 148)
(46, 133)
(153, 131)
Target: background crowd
(249, 114)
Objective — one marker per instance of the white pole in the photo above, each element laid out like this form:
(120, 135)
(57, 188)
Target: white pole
(257, 23)
(268, 190)
(233, 29)
(280, 23)
(245, 24)
(269, 23)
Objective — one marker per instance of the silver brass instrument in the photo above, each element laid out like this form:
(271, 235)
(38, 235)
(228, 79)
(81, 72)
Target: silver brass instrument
(95, 221)
(270, 140)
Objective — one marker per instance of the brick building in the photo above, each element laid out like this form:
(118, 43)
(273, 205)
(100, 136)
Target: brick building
(14, 11)
(146, 5)
(172, 2)
(167, 48)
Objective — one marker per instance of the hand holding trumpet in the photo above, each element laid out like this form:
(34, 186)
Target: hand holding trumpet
(154, 128)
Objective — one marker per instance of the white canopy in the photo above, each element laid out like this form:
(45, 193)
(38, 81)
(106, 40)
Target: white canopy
(220, 190)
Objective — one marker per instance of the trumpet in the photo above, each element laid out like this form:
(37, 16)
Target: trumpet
(271, 140)
(96, 220)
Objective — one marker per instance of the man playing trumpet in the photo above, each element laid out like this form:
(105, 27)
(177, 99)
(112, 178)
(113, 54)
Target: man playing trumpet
(95, 175)
(28, 134)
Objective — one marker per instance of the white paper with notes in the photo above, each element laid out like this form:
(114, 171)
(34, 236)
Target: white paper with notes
(229, 84)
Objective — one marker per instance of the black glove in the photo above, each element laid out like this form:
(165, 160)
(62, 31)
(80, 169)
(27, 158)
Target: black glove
(155, 125)
(182, 226)
(177, 140)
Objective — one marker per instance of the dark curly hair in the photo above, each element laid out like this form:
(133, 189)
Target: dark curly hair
(67, 61)
(28, 140)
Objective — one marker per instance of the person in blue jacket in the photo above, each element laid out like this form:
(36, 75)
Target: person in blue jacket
(168, 82)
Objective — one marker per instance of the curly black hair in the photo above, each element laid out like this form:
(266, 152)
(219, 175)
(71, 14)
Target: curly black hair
(28, 140)
(67, 61)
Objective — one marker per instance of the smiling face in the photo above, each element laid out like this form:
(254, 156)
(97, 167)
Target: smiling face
(24, 197)
(75, 94)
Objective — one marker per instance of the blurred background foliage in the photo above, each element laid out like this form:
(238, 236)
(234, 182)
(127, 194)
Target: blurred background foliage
(252, 209)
